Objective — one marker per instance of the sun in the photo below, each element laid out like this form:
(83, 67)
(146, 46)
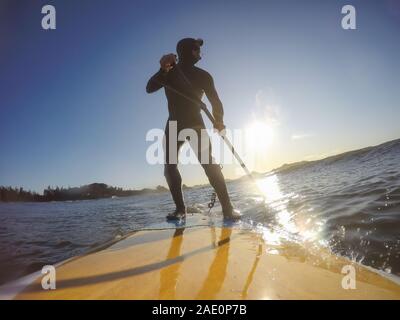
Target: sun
(258, 137)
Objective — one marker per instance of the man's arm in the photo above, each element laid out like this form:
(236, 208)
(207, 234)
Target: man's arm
(212, 96)
(158, 80)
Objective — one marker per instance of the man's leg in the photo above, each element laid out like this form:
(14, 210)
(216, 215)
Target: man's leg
(174, 182)
(213, 172)
(171, 172)
(217, 181)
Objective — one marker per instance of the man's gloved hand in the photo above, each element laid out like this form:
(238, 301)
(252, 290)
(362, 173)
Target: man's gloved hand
(167, 62)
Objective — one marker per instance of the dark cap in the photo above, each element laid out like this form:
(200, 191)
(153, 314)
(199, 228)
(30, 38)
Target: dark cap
(186, 45)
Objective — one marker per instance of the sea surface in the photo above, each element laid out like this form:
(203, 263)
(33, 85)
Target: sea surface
(349, 204)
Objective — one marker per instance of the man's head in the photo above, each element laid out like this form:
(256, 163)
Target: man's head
(188, 50)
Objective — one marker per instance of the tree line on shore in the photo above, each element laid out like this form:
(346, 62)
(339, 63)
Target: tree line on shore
(90, 191)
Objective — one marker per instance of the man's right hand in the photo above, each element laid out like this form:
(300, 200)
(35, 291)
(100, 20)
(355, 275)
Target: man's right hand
(219, 127)
(167, 62)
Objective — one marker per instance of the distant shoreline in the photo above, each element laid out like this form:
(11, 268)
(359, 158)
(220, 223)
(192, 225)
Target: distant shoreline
(86, 192)
(102, 190)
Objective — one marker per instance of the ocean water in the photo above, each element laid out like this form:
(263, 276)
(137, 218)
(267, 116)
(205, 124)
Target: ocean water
(349, 204)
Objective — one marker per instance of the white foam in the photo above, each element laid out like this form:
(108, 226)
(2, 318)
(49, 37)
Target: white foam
(10, 290)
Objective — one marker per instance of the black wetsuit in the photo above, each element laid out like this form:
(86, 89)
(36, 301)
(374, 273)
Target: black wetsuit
(181, 109)
(187, 114)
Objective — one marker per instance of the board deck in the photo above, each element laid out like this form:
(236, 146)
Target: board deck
(208, 262)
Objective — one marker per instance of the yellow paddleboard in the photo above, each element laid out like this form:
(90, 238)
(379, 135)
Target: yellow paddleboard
(208, 263)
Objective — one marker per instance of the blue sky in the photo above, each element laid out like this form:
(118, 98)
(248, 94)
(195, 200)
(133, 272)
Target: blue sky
(73, 106)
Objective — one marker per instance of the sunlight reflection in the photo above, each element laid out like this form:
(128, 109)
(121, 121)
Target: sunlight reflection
(289, 225)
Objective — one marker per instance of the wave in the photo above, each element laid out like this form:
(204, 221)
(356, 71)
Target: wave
(363, 155)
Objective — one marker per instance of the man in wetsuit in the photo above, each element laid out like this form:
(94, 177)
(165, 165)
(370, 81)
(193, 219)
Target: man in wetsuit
(184, 84)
